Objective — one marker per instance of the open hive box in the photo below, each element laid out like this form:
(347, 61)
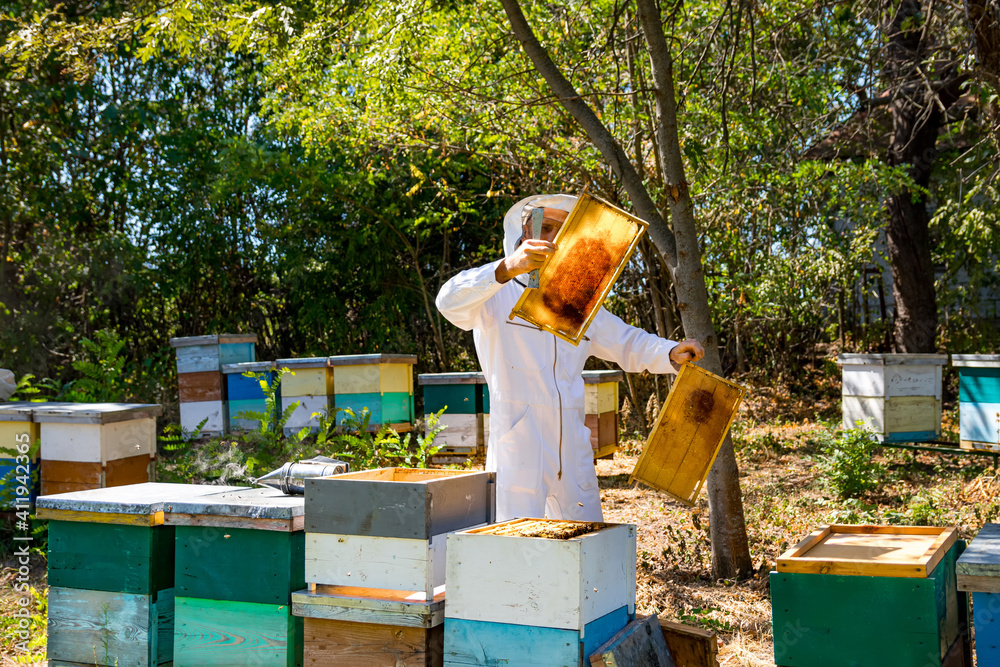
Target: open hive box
(595, 244)
(692, 425)
(537, 591)
(869, 595)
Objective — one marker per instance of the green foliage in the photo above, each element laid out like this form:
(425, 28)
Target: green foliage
(384, 447)
(848, 467)
(102, 370)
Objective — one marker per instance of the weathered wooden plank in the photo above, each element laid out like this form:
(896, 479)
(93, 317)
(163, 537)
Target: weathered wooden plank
(213, 339)
(884, 417)
(147, 520)
(692, 425)
(163, 609)
(486, 644)
(986, 618)
(131, 470)
(370, 605)
(111, 557)
(976, 360)
(98, 442)
(307, 380)
(74, 472)
(237, 564)
(223, 633)
(396, 502)
(640, 644)
(213, 413)
(334, 642)
(537, 581)
(981, 558)
(428, 379)
(236, 353)
(861, 380)
(368, 359)
(104, 628)
(599, 377)
(599, 398)
(237, 502)
(979, 422)
(307, 412)
(858, 550)
(375, 562)
(200, 386)
(198, 359)
(462, 433)
(456, 399)
(690, 646)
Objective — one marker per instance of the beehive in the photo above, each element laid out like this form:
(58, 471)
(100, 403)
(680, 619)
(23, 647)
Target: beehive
(691, 428)
(465, 399)
(111, 574)
(245, 395)
(19, 435)
(238, 556)
(896, 396)
(309, 384)
(383, 383)
(868, 596)
(537, 591)
(199, 377)
(979, 400)
(601, 404)
(978, 573)
(95, 445)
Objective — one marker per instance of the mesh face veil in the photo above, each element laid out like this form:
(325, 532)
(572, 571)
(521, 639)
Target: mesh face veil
(520, 211)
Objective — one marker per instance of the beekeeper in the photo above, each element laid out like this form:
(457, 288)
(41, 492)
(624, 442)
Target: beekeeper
(539, 444)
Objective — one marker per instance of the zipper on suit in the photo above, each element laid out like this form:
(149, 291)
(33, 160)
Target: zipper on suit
(555, 380)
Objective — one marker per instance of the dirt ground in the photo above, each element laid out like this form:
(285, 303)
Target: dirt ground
(778, 444)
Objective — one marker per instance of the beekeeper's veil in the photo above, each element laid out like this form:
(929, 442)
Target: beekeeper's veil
(519, 211)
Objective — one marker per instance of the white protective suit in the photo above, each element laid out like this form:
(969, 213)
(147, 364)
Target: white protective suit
(539, 444)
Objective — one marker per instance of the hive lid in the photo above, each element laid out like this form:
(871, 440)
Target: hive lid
(134, 504)
(875, 551)
(95, 413)
(451, 378)
(303, 362)
(358, 359)
(892, 359)
(213, 339)
(976, 360)
(978, 569)
(597, 377)
(248, 367)
(242, 504)
(23, 411)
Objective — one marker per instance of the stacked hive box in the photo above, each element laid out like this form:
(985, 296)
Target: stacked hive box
(601, 399)
(18, 437)
(245, 394)
(465, 399)
(238, 557)
(979, 400)
(896, 395)
(536, 592)
(375, 561)
(978, 572)
(199, 377)
(870, 596)
(111, 574)
(94, 445)
(383, 383)
(309, 383)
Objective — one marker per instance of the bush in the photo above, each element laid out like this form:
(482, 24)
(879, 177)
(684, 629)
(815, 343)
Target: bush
(848, 467)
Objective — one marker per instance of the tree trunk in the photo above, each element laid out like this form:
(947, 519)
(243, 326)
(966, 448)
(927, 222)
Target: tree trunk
(730, 549)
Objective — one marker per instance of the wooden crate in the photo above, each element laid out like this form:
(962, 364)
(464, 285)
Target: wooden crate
(688, 434)
(485, 643)
(465, 397)
(111, 565)
(224, 633)
(200, 386)
(364, 626)
(90, 627)
(239, 554)
(978, 573)
(868, 596)
(309, 376)
(897, 396)
(498, 576)
(208, 353)
(979, 400)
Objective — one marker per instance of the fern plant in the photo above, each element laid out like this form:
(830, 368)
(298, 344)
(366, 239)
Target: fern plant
(102, 369)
